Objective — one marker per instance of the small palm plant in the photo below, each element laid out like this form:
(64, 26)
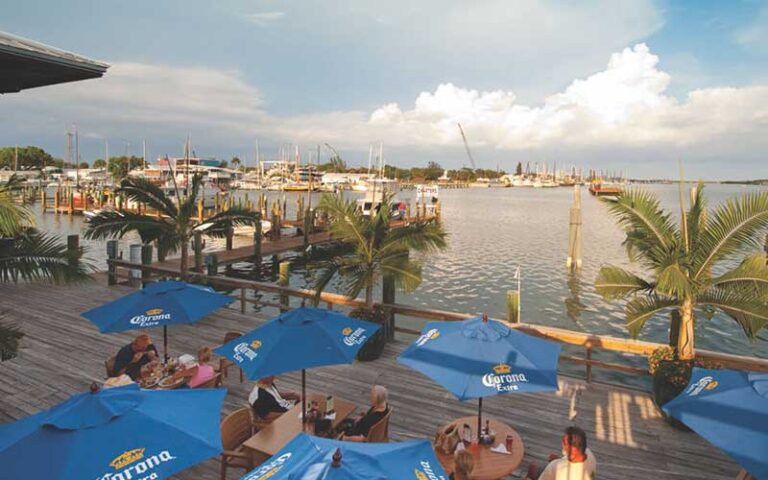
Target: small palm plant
(27, 255)
(176, 223)
(689, 264)
(379, 249)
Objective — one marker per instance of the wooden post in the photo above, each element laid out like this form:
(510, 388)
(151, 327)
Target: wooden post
(111, 255)
(242, 300)
(230, 237)
(283, 280)
(257, 244)
(43, 200)
(513, 301)
(56, 200)
(73, 248)
(589, 363)
(212, 264)
(146, 259)
(197, 247)
(573, 262)
(275, 229)
(307, 228)
(134, 256)
(299, 208)
(216, 202)
(388, 298)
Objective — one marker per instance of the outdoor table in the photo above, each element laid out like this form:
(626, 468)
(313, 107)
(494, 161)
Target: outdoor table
(488, 465)
(272, 438)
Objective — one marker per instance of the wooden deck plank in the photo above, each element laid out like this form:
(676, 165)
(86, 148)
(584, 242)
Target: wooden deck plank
(63, 353)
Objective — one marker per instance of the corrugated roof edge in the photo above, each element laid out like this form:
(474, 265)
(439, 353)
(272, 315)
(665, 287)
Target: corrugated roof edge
(16, 45)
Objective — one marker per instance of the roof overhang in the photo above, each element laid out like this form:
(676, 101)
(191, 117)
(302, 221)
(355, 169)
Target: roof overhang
(27, 64)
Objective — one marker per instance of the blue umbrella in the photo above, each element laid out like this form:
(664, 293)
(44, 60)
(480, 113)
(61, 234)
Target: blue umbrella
(297, 340)
(157, 304)
(116, 434)
(479, 358)
(312, 458)
(729, 408)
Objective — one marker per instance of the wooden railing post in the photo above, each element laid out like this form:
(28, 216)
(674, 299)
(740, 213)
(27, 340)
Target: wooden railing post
(242, 300)
(212, 265)
(197, 247)
(146, 259)
(589, 363)
(73, 248)
(111, 267)
(283, 280)
(257, 234)
(134, 256)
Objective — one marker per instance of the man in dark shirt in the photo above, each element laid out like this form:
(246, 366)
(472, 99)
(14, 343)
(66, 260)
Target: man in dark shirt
(379, 409)
(268, 402)
(133, 356)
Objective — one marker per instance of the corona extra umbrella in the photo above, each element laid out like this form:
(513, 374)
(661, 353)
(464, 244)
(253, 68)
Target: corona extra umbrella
(729, 408)
(479, 358)
(117, 434)
(158, 304)
(314, 458)
(296, 340)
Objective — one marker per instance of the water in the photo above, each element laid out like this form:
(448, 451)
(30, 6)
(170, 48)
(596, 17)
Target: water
(492, 232)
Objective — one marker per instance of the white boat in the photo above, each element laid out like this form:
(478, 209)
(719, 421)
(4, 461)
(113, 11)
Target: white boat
(249, 230)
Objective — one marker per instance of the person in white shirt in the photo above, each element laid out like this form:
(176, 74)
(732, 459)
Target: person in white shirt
(577, 463)
(268, 402)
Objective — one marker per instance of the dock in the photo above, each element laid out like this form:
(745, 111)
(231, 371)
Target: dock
(62, 353)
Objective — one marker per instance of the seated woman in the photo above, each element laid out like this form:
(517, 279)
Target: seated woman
(201, 373)
(463, 464)
(268, 402)
(358, 431)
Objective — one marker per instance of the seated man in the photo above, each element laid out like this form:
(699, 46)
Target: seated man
(133, 356)
(268, 402)
(577, 463)
(358, 430)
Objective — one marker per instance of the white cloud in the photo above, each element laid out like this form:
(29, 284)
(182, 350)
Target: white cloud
(263, 19)
(624, 106)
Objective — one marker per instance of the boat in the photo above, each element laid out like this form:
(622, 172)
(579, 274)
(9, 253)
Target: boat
(598, 189)
(249, 230)
(429, 196)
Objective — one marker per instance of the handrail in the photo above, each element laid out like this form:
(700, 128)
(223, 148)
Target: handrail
(589, 341)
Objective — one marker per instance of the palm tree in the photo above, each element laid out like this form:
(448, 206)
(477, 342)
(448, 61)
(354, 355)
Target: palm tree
(28, 255)
(177, 223)
(379, 249)
(690, 264)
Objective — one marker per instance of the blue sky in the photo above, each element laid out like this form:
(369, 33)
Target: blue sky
(606, 84)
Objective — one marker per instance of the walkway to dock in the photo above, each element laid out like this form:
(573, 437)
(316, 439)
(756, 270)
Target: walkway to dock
(63, 353)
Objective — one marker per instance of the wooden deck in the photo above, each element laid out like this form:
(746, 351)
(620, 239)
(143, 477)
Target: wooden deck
(63, 353)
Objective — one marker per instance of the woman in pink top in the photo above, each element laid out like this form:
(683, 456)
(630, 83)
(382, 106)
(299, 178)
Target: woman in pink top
(202, 372)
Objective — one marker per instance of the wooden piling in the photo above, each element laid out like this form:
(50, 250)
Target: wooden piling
(257, 234)
(197, 247)
(134, 256)
(573, 262)
(73, 248)
(513, 306)
(146, 259)
(283, 280)
(43, 200)
(212, 264)
(112, 255)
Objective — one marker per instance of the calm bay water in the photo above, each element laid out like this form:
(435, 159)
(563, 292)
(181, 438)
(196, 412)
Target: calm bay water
(492, 232)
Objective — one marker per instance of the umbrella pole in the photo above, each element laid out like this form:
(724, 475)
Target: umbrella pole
(165, 342)
(303, 395)
(479, 418)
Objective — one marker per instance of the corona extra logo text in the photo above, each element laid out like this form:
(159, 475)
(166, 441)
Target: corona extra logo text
(352, 338)
(704, 383)
(150, 318)
(270, 469)
(502, 378)
(243, 351)
(136, 465)
(430, 335)
(426, 472)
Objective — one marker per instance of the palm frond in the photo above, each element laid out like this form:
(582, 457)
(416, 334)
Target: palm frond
(348, 223)
(425, 236)
(143, 191)
(640, 212)
(751, 276)
(39, 257)
(697, 215)
(673, 282)
(114, 224)
(188, 206)
(732, 228)
(13, 217)
(615, 283)
(406, 272)
(10, 339)
(641, 309)
(749, 312)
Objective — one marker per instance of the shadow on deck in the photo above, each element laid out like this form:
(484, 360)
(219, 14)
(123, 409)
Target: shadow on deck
(63, 353)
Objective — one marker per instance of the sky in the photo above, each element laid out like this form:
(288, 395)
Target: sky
(619, 85)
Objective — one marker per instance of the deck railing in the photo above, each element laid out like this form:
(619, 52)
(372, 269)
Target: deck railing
(137, 273)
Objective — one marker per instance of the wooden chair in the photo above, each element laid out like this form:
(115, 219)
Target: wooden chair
(379, 432)
(744, 475)
(225, 363)
(216, 382)
(236, 428)
(109, 365)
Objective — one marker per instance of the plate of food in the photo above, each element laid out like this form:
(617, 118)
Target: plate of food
(170, 383)
(149, 382)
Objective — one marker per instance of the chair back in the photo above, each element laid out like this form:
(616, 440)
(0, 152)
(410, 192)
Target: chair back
(236, 428)
(744, 475)
(214, 382)
(379, 432)
(229, 336)
(109, 365)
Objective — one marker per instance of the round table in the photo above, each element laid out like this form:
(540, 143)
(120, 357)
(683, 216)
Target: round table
(488, 465)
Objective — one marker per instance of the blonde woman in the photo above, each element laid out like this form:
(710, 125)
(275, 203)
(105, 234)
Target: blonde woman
(201, 373)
